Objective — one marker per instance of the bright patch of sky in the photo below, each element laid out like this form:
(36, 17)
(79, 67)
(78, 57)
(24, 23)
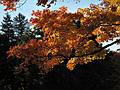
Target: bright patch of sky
(113, 47)
(30, 5)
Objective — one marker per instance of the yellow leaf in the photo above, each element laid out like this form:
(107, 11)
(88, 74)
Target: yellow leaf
(71, 64)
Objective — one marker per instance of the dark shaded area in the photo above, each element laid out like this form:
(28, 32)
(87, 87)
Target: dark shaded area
(99, 75)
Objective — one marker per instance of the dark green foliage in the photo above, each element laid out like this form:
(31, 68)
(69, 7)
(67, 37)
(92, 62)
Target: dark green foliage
(21, 28)
(77, 23)
(12, 33)
(6, 36)
(49, 56)
(7, 28)
(9, 78)
(93, 38)
(4, 45)
(37, 33)
(72, 53)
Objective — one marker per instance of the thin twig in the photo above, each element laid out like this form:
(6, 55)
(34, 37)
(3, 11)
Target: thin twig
(22, 4)
(110, 25)
(18, 6)
(97, 51)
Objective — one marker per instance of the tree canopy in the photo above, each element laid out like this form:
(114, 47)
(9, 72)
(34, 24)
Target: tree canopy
(70, 38)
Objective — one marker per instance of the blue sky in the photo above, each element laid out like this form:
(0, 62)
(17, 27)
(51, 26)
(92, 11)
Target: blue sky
(30, 5)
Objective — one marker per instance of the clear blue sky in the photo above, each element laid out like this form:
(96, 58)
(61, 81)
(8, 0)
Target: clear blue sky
(30, 5)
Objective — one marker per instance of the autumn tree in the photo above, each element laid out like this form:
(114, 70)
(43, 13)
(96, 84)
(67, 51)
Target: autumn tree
(69, 38)
(65, 42)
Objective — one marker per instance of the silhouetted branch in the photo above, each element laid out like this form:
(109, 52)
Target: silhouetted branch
(97, 51)
(109, 24)
(18, 6)
(22, 4)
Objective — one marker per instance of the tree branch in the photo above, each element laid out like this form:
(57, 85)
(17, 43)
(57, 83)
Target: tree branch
(22, 4)
(18, 6)
(109, 24)
(92, 53)
(97, 51)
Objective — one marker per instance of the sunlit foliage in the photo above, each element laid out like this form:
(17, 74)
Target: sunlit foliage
(74, 38)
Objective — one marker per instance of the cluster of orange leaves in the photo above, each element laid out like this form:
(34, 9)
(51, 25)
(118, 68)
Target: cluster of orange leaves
(10, 4)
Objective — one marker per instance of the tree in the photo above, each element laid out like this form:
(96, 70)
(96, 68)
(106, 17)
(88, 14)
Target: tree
(10, 34)
(7, 29)
(21, 28)
(61, 37)
(6, 40)
(65, 32)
